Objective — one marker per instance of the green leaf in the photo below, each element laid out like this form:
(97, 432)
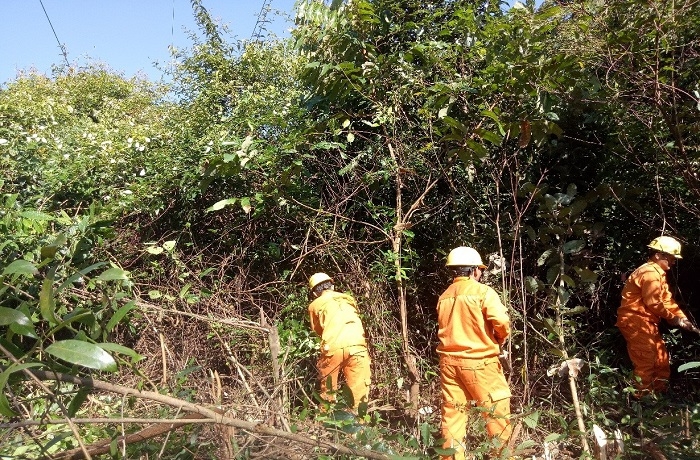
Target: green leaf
(553, 437)
(553, 273)
(80, 315)
(21, 329)
(586, 275)
(478, 149)
(112, 274)
(78, 275)
(77, 401)
(83, 354)
(36, 215)
(490, 136)
(12, 368)
(155, 250)
(557, 352)
(47, 303)
(49, 252)
(245, 204)
(12, 316)
(531, 420)
(119, 314)
(543, 258)
(686, 366)
(455, 124)
(551, 326)
(568, 280)
(121, 349)
(574, 311)
(5, 408)
(492, 115)
(221, 204)
(574, 246)
(20, 267)
(531, 284)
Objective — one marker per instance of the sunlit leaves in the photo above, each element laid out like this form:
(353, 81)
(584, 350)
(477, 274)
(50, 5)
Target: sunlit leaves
(47, 303)
(11, 316)
(113, 274)
(20, 267)
(83, 354)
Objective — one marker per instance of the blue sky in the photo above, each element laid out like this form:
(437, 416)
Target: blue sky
(126, 35)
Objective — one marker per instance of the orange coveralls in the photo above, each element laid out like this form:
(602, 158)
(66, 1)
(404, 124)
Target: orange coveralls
(343, 348)
(473, 323)
(646, 299)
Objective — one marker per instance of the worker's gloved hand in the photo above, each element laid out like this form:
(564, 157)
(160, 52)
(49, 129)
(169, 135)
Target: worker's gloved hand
(684, 324)
(505, 362)
(688, 326)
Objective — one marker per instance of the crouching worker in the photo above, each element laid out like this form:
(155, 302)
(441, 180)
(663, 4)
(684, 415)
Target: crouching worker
(473, 324)
(646, 299)
(343, 348)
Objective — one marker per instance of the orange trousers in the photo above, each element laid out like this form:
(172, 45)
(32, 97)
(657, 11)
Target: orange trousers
(354, 363)
(648, 353)
(465, 383)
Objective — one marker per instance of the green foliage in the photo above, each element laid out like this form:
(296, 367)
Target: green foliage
(59, 308)
(557, 141)
(83, 138)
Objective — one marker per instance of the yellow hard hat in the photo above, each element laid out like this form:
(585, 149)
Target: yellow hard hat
(667, 245)
(317, 278)
(464, 256)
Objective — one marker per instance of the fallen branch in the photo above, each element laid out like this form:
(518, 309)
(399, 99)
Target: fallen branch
(103, 446)
(257, 428)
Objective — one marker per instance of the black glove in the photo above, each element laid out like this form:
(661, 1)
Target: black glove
(684, 324)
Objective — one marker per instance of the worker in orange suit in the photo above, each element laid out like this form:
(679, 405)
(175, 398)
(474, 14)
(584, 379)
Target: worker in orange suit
(473, 325)
(343, 347)
(646, 299)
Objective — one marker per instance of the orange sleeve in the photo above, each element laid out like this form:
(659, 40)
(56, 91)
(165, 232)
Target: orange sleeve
(657, 296)
(315, 318)
(497, 315)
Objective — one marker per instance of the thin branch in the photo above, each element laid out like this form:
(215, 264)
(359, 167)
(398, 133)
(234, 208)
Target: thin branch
(53, 398)
(258, 428)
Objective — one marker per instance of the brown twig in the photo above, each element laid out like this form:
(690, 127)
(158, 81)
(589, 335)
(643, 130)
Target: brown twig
(53, 397)
(257, 428)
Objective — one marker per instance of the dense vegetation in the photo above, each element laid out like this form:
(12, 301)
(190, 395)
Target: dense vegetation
(157, 239)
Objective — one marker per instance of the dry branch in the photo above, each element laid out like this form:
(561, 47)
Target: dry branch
(103, 446)
(251, 427)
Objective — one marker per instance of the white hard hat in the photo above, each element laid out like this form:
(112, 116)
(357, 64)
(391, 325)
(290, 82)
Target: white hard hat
(666, 244)
(465, 257)
(318, 278)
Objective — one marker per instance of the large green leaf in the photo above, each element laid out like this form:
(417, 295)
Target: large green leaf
(47, 303)
(119, 314)
(574, 246)
(221, 204)
(112, 274)
(686, 366)
(20, 267)
(12, 316)
(36, 215)
(76, 276)
(83, 354)
(121, 349)
(78, 401)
